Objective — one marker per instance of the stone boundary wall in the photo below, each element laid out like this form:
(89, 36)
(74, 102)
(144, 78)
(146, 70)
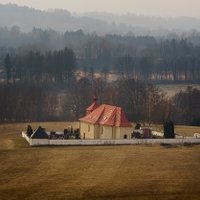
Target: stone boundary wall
(124, 141)
(25, 136)
(81, 142)
(39, 142)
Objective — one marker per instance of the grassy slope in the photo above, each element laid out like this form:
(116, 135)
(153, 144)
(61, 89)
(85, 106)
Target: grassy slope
(103, 172)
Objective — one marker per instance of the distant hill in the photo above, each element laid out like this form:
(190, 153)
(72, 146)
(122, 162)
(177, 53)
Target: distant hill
(151, 22)
(101, 23)
(59, 20)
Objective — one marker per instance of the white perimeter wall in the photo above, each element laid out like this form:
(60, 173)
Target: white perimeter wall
(25, 136)
(41, 142)
(38, 142)
(35, 142)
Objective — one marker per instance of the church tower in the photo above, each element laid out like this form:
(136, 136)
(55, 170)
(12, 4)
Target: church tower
(94, 104)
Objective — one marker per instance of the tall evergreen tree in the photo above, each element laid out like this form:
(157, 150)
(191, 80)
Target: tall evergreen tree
(169, 130)
(29, 130)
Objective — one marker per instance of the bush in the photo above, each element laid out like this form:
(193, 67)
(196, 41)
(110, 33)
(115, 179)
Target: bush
(137, 126)
(65, 131)
(169, 130)
(29, 130)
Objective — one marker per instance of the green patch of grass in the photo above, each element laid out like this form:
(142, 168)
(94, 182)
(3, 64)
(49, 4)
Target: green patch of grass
(20, 142)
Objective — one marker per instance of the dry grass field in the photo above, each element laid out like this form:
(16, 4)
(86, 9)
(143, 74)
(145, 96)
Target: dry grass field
(172, 89)
(95, 172)
(169, 89)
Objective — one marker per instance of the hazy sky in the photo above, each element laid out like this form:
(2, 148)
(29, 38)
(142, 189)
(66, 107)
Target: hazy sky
(169, 8)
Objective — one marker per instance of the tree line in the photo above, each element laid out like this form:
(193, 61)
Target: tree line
(15, 41)
(21, 102)
(53, 67)
(168, 61)
(141, 102)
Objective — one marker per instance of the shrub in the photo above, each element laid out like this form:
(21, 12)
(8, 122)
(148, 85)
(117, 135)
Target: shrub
(169, 130)
(29, 130)
(65, 131)
(137, 126)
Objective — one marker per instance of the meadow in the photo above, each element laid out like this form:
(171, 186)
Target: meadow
(96, 172)
(172, 89)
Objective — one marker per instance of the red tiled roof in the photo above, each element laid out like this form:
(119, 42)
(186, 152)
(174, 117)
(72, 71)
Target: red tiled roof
(92, 107)
(107, 115)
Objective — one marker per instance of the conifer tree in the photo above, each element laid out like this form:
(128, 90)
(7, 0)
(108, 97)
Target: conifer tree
(169, 130)
(29, 130)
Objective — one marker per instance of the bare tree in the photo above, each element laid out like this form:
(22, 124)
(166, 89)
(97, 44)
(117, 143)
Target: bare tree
(131, 94)
(187, 106)
(78, 98)
(110, 95)
(163, 111)
(100, 85)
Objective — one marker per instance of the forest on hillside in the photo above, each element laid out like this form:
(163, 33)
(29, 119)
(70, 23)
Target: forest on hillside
(41, 83)
(47, 75)
(143, 58)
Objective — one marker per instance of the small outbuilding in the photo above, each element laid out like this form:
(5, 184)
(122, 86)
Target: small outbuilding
(39, 133)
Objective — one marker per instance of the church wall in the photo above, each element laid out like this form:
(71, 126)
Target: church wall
(88, 129)
(107, 132)
(125, 131)
(114, 132)
(97, 131)
(103, 132)
(118, 133)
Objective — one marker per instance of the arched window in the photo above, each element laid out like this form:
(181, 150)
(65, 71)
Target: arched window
(101, 130)
(125, 136)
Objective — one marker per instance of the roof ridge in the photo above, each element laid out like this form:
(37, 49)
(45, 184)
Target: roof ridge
(102, 113)
(118, 117)
(115, 111)
(107, 115)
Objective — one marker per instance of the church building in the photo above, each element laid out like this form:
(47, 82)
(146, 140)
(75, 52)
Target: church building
(104, 122)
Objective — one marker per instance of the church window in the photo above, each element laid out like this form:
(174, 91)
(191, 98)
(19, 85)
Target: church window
(101, 130)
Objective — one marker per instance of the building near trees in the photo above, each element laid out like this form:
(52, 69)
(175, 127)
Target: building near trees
(39, 133)
(104, 122)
